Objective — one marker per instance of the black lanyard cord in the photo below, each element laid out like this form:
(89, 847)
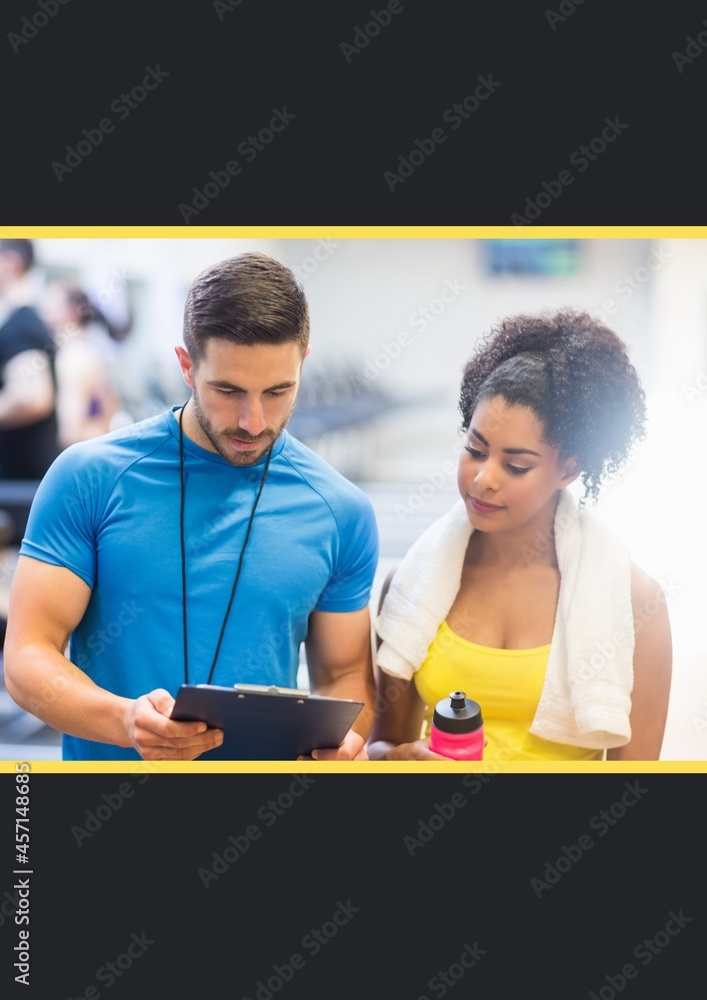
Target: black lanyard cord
(184, 559)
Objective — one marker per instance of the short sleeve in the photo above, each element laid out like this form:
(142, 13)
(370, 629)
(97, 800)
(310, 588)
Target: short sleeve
(64, 516)
(357, 559)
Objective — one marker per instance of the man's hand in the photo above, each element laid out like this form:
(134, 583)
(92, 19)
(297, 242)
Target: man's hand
(156, 737)
(350, 749)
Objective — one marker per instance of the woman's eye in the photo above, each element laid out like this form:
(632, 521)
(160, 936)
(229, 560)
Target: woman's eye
(515, 470)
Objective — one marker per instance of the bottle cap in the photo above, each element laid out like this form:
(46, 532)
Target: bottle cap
(457, 714)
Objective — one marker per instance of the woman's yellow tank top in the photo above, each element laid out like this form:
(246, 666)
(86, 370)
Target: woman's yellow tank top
(505, 682)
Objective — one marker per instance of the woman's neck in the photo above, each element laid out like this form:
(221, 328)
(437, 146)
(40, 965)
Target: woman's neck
(532, 544)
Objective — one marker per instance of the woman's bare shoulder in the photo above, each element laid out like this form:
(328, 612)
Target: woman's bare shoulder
(644, 588)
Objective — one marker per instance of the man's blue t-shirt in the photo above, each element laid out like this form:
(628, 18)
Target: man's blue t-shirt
(109, 510)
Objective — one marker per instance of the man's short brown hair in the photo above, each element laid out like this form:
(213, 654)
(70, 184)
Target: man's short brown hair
(249, 299)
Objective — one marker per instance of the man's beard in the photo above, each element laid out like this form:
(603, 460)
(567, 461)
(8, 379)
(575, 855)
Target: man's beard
(267, 437)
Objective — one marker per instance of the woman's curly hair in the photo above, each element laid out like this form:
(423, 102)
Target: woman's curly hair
(575, 375)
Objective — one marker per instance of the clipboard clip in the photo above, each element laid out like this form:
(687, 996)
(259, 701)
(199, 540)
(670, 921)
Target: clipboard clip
(270, 689)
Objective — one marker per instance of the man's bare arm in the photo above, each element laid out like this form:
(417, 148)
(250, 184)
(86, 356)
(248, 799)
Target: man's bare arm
(340, 661)
(46, 604)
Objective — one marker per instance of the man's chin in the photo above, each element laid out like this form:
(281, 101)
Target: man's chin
(244, 454)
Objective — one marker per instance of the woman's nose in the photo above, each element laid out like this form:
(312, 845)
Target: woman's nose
(486, 477)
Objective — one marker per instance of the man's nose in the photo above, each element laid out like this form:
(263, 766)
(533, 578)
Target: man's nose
(251, 417)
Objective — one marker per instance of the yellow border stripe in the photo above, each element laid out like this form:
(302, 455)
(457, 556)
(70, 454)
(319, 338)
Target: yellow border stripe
(360, 767)
(354, 232)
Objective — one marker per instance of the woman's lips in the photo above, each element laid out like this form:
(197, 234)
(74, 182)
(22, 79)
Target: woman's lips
(484, 508)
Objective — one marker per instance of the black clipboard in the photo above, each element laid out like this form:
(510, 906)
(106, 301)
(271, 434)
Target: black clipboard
(265, 723)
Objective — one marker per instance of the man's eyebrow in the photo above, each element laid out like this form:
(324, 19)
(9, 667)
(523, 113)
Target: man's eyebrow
(223, 384)
(507, 451)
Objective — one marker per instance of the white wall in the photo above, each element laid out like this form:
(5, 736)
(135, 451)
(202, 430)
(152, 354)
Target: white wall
(366, 298)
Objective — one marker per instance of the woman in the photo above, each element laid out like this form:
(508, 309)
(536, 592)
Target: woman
(520, 596)
(88, 400)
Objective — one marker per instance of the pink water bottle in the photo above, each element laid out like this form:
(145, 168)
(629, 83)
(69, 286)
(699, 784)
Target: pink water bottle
(457, 729)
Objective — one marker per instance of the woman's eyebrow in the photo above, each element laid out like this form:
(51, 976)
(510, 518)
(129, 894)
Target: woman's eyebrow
(507, 451)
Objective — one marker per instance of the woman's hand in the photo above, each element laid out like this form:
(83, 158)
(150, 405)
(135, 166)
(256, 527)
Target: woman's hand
(352, 748)
(417, 750)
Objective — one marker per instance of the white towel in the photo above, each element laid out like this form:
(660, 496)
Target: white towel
(586, 696)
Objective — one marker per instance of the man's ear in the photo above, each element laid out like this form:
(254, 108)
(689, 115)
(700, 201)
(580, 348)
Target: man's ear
(185, 363)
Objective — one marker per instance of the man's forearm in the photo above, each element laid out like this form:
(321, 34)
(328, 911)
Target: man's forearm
(45, 683)
(354, 686)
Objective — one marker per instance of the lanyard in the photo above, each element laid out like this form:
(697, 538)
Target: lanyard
(184, 559)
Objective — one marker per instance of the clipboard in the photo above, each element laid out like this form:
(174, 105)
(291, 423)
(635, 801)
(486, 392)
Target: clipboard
(265, 723)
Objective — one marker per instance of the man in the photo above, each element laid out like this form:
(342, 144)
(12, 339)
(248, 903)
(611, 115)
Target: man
(201, 545)
(28, 426)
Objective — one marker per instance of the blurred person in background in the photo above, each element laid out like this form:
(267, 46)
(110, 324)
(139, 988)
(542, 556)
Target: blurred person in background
(519, 595)
(28, 423)
(87, 343)
(28, 420)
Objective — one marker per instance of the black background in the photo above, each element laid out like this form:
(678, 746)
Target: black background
(343, 840)
(355, 116)
(413, 898)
